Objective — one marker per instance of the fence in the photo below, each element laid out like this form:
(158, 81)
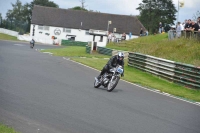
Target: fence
(185, 34)
(184, 74)
(73, 43)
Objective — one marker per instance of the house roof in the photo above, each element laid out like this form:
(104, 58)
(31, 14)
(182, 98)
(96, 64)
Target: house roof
(69, 18)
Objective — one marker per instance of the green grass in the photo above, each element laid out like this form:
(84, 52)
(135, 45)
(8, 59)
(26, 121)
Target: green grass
(6, 129)
(74, 51)
(7, 37)
(147, 80)
(179, 50)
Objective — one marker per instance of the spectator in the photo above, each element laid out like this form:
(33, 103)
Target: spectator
(198, 21)
(124, 36)
(147, 33)
(160, 27)
(194, 27)
(171, 33)
(109, 37)
(130, 35)
(141, 32)
(187, 27)
(178, 30)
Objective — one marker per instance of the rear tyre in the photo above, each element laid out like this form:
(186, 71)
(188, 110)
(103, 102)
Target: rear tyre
(112, 85)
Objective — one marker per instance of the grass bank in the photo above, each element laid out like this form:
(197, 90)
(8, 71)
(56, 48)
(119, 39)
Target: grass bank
(131, 74)
(8, 37)
(73, 51)
(6, 129)
(179, 50)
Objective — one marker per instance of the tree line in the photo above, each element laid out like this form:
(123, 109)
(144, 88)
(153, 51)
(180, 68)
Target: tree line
(19, 17)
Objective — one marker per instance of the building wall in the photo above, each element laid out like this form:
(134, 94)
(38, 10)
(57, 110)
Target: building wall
(80, 34)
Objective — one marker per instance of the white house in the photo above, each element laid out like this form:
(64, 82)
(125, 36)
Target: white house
(84, 26)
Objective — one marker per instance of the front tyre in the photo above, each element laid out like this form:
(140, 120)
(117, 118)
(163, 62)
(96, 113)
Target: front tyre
(113, 84)
(96, 84)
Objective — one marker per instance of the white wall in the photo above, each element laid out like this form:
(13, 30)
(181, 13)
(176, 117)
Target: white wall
(80, 35)
(9, 32)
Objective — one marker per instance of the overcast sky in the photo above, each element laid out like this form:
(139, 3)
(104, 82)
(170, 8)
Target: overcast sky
(123, 7)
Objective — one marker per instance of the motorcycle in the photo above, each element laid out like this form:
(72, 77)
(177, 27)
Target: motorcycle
(109, 79)
(31, 44)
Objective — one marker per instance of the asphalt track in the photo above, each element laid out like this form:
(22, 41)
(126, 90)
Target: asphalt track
(40, 93)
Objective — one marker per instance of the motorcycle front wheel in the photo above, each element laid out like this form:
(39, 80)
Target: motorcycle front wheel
(96, 84)
(113, 84)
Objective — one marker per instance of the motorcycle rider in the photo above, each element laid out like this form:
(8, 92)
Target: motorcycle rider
(113, 62)
(32, 42)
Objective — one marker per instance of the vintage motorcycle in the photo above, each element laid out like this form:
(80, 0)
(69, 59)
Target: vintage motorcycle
(109, 79)
(32, 42)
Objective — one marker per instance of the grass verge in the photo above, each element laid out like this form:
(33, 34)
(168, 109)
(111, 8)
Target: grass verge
(73, 51)
(8, 37)
(6, 129)
(179, 50)
(131, 74)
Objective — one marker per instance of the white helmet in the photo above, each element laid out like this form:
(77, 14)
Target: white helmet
(120, 54)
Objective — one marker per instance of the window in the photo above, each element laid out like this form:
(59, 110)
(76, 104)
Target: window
(43, 27)
(87, 32)
(67, 30)
(40, 27)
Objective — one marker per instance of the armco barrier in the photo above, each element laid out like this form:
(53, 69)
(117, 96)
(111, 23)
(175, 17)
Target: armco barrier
(73, 43)
(103, 50)
(88, 49)
(184, 74)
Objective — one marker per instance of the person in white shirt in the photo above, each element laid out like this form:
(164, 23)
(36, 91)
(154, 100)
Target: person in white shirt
(178, 30)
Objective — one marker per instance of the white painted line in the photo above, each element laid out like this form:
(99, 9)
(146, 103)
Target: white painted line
(106, 58)
(82, 57)
(47, 52)
(19, 45)
(156, 91)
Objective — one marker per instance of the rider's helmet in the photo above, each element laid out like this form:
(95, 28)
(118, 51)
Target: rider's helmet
(120, 55)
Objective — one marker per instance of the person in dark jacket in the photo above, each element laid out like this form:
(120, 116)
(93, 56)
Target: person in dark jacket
(113, 62)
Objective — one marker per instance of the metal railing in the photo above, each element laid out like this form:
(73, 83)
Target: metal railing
(185, 34)
(184, 74)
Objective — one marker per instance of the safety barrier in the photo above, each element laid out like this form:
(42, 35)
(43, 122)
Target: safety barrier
(184, 74)
(88, 49)
(103, 50)
(73, 43)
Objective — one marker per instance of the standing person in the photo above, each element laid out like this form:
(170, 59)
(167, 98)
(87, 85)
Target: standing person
(178, 30)
(124, 36)
(130, 35)
(141, 32)
(198, 21)
(160, 27)
(109, 37)
(194, 27)
(188, 26)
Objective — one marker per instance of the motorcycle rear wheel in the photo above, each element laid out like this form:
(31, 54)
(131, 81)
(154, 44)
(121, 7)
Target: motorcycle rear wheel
(111, 85)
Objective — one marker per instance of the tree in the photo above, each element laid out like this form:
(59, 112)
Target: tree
(82, 4)
(79, 8)
(1, 20)
(154, 11)
(195, 16)
(10, 17)
(28, 7)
